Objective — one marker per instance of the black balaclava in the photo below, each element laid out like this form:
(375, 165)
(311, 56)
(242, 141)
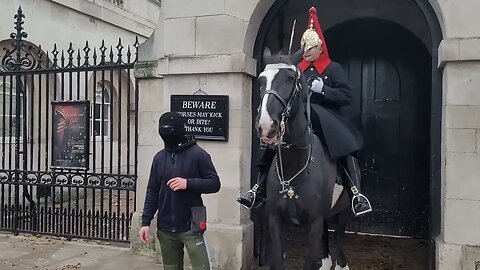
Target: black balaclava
(171, 127)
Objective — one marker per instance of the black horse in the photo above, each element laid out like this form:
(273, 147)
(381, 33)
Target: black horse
(302, 179)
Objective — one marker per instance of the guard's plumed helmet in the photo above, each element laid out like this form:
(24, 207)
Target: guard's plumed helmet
(313, 36)
(310, 38)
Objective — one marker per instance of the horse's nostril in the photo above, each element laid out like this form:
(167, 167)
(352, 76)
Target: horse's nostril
(272, 133)
(275, 124)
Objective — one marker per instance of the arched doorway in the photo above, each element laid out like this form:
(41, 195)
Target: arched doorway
(389, 70)
(391, 63)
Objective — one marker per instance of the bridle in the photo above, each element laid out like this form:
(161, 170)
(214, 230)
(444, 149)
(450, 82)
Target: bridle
(287, 108)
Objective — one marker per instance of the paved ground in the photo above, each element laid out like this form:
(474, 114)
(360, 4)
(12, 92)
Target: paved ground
(52, 253)
(367, 252)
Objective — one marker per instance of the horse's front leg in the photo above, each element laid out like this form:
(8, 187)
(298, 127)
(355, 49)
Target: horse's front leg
(276, 247)
(343, 219)
(315, 232)
(326, 258)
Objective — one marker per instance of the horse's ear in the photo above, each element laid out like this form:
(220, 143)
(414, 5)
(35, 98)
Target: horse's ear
(267, 53)
(296, 58)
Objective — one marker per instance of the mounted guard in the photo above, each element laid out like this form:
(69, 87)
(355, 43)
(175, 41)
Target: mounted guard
(330, 94)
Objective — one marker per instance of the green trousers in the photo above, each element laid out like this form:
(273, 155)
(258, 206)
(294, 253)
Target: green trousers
(172, 245)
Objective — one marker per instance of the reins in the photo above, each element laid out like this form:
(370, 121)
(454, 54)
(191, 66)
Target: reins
(287, 184)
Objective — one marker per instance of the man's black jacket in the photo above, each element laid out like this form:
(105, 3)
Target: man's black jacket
(190, 161)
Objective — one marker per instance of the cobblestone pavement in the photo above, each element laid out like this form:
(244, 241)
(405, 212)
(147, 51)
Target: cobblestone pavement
(54, 253)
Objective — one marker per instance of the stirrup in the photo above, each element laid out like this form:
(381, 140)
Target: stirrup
(359, 198)
(253, 194)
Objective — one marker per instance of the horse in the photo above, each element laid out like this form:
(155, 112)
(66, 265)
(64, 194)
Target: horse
(302, 177)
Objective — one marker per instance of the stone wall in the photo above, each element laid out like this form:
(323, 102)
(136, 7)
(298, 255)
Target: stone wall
(460, 186)
(64, 21)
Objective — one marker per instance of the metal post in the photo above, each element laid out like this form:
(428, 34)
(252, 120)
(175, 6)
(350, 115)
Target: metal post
(18, 40)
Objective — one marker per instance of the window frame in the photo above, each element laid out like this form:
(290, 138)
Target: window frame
(106, 92)
(6, 85)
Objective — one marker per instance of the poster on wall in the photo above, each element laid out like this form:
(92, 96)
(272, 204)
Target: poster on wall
(206, 115)
(70, 134)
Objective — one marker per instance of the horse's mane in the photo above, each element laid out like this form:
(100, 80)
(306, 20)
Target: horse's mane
(279, 58)
(282, 57)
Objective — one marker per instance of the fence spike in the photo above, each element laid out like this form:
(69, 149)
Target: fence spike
(70, 52)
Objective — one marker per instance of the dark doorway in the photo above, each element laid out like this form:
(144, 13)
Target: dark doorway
(389, 70)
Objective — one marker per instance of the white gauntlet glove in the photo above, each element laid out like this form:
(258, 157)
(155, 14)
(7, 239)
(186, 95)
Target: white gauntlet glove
(317, 85)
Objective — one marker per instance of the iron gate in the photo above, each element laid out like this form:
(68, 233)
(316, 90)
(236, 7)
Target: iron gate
(68, 138)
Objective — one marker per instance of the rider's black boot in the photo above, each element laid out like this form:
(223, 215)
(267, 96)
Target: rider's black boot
(257, 196)
(360, 203)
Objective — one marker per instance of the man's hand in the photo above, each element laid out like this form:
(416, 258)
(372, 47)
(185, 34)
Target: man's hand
(317, 85)
(177, 183)
(144, 234)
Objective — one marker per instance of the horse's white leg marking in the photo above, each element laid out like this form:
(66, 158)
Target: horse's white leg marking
(326, 263)
(338, 267)
(265, 121)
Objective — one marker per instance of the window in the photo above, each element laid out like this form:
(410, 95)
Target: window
(118, 2)
(8, 112)
(101, 111)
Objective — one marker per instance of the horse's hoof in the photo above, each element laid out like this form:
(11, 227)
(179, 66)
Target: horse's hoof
(338, 267)
(326, 263)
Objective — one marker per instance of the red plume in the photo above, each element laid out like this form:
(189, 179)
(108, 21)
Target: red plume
(316, 25)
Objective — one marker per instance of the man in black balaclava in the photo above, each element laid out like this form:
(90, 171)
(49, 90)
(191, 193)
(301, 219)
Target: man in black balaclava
(180, 174)
(171, 127)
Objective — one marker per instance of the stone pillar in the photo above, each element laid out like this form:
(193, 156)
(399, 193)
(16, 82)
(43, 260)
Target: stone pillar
(150, 87)
(150, 107)
(194, 48)
(230, 233)
(457, 246)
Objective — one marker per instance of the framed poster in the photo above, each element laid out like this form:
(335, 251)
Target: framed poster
(70, 134)
(206, 115)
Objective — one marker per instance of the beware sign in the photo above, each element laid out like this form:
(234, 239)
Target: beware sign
(207, 115)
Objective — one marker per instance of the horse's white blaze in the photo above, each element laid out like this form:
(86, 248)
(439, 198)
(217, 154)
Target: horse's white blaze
(338, 267)
(326, 263)
(265, 121)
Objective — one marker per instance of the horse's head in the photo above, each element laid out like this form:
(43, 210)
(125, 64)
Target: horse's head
(280, 87)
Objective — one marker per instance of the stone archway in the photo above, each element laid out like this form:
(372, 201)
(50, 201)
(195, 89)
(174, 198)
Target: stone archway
(429, 32)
